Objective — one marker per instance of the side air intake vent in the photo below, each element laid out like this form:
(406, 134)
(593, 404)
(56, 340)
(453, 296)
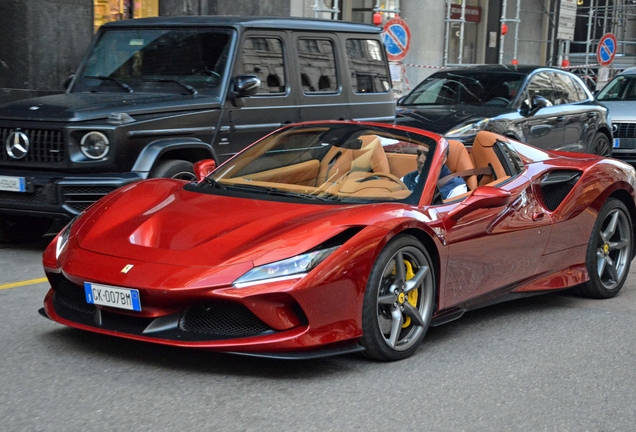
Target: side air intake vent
(557, 185)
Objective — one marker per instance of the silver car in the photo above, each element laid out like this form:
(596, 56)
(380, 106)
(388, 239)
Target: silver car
(619, 96)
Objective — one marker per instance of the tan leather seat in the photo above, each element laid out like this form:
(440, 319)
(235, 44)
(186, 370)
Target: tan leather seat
(459, 160)
(339, 161)
(483, 156)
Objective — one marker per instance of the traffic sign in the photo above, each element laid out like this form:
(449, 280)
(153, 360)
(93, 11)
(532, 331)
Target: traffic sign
(606, 49)
(397, 39)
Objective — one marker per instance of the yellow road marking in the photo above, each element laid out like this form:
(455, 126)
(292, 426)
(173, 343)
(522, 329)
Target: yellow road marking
(23, 283)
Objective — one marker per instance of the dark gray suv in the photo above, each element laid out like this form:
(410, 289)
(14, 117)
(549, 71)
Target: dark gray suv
(155, 95)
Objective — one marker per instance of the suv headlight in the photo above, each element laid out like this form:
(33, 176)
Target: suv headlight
(290, 268)
(94, 145)
(468, 129)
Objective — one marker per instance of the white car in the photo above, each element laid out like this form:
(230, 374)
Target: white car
(619, 96)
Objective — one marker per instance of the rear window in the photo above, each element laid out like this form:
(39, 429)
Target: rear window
(366, 64)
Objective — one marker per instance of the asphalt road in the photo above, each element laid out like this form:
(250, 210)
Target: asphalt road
(556, 362)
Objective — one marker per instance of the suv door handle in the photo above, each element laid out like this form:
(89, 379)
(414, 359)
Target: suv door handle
(591, 115)
(560, 118)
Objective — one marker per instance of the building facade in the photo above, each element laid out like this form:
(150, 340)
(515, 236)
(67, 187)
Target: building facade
(43, 40)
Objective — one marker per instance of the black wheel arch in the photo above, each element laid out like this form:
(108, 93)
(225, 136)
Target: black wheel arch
(188, 149)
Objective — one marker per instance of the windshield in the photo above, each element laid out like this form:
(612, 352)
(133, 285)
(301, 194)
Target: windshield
(187, 61)
(623, 87)
(470, 88)
(335, 162)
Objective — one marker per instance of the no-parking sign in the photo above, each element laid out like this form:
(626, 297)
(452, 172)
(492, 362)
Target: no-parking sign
(606, 49)
(397, 39)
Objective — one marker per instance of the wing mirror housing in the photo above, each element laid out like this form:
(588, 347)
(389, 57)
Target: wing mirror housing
(537, 102)
(67, 82)
(244, 86)
(483, 197)
(204, 168)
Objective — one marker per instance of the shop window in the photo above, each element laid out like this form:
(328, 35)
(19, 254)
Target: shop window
(115, 10)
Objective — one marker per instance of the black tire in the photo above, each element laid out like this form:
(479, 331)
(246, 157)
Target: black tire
(176, 169)
(398, 302)
(609, 252)
(23, 229)
(601, 145)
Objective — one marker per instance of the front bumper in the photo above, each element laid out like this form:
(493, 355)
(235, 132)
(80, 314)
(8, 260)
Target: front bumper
(51, 194)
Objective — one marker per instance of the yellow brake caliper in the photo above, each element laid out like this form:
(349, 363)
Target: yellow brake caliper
(412, 296)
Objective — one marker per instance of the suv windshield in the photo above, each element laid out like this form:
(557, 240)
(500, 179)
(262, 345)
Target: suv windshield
(185, 61)
(335, 163)
(471, 88)
(623, 87)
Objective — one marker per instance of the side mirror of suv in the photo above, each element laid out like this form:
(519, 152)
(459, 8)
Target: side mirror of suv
(244, 85)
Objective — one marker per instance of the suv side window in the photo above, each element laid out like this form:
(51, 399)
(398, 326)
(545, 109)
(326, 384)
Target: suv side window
(541, 85)
(565, 90)
(263, 57)
(368, 70)
(317, 64)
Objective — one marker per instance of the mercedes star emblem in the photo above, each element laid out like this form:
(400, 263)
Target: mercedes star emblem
(17, 145)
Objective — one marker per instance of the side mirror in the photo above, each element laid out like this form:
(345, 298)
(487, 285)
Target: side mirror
(246, 85)
(67, 82)
(204, 168)
(537, 103)
(401, 100)
(482, 198)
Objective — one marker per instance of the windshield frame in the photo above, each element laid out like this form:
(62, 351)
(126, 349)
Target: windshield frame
(153, 86)
(242, 175)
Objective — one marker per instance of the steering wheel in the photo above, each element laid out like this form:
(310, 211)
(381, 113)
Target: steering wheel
(383, 176)
(209, 73)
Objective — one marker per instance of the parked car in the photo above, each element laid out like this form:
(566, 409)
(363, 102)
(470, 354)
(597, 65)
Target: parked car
(309, 244)
(619, 96)
(154, 95)
(548, 108)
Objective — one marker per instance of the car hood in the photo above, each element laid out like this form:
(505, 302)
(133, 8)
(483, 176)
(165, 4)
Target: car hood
(621, 110)
(443, 118)
(159, 221)
(73, 107)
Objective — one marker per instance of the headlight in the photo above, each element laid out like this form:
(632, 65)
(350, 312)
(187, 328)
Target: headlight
(468, 129)
(94, 145)
(62, 238)
(290, 268)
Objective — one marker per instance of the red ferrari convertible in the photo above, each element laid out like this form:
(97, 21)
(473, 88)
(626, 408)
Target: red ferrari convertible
(335, 237)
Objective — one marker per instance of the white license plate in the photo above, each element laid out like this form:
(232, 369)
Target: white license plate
(104, 295)
(12, 184)
(617, 142)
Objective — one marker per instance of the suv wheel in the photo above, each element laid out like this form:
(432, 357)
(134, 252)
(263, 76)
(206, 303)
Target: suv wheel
(176, 169)
(23, 229)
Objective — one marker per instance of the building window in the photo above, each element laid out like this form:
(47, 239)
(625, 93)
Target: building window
(115, 10)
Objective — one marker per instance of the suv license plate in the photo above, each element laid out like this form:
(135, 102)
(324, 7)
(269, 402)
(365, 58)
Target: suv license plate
(104, 295)
(617, 142)
(12, 184)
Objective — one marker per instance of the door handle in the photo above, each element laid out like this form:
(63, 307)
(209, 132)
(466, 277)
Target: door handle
(591, 115)
(537, 216)
(560, 118)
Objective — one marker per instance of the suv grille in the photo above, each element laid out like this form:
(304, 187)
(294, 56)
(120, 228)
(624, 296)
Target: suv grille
(627, 134)
(80, 197)
(45, 145)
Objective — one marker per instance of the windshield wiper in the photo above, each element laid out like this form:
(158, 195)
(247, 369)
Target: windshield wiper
(105, 78)
(279, 192)
(188, 87)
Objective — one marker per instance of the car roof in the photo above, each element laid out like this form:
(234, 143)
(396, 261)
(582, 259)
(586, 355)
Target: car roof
(247, 22)
(630, 71)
